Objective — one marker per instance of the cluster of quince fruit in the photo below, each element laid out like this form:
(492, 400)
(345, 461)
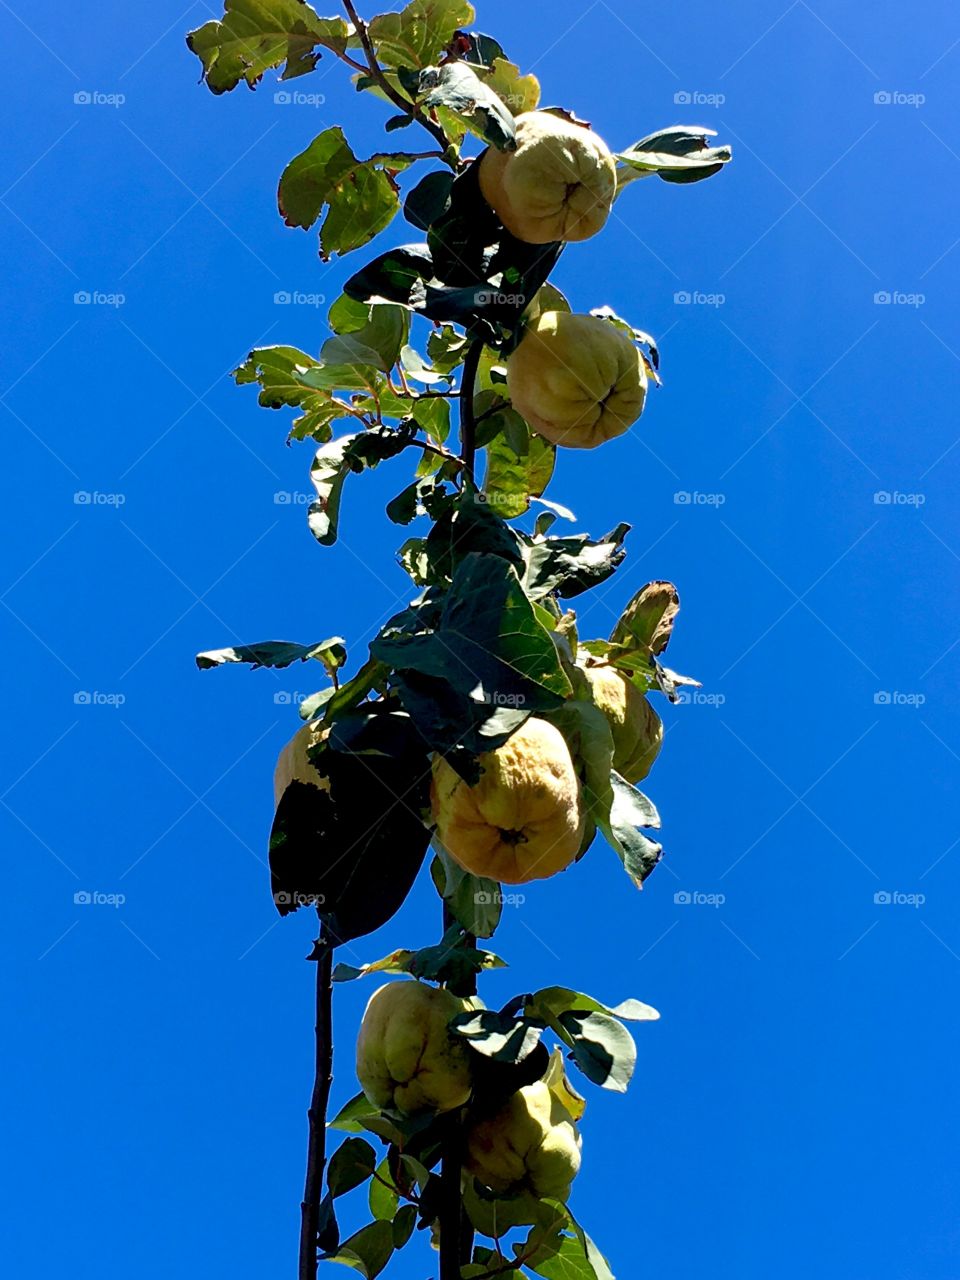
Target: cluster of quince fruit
(578, 380)
(410, 1062)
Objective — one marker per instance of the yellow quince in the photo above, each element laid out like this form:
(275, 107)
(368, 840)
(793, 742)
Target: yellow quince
(407, 1058)
(524, 820)
(530, 1146)
(558, 184)
(636, 728)
(578, 380)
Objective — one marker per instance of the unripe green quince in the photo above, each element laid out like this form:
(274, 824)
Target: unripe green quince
(407, 1058)
(636, 728)
(531, 1145)
(558, 184)
(578, 380)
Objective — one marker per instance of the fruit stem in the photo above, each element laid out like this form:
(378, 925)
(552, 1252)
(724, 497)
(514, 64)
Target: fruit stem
(317, 1114)
(468, 421)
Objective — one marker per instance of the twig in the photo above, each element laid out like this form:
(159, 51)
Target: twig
(408, 107)
(468, 421)
(317, 1115)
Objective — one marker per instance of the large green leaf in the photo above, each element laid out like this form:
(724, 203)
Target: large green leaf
(352, 1163)
(456, 88)
(451, 961)
(418, 35)
(570, 566)
(630, 811)
(254, 35)
(475, 902)
(367, 1251)
(513, 477)
(332, 465)
(365, 334)
(360, 196)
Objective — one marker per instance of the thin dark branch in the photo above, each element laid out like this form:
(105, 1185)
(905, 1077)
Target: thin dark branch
(408, 107)
(317, 1115)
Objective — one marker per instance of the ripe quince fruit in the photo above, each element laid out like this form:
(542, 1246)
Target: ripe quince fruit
(558, 184)
(636, 728)
(407, 1058)
(530, 1146)
(293, 763)
(524, 820)
(578, 380)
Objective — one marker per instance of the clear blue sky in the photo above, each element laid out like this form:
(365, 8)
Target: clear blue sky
(795, 1110)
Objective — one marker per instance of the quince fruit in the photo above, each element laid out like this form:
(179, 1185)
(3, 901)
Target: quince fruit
(530, 1146)
(578, 380)
(293, 763)
(636, 728)
(524, 820)
(407, 1058)
(558, 184)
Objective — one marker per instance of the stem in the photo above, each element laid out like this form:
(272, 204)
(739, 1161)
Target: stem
(317, 1115)
(406, 106)
(468, 422)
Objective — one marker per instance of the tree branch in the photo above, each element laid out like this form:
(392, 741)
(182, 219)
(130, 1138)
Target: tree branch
(408, 107)
(317, 1114)
(468, 421)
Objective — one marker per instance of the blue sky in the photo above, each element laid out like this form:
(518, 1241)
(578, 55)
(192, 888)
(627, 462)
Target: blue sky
(795, 1108)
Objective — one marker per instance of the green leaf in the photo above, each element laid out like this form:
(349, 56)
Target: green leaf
(449, 962)
(403, 1224)
(447, 348)
(255, 35)
(647, 621)
(418, 35)
(514, 476)
(587, 733)
(348, 1118)
(475, 902)
(560, 1000)
(278, 371)
(366, 333)
(332, 464)
(367, 1251)
(361, 196)
(602, 1048)
(277, 653)
(352, 1163)
(456, 88)
(570, 566)
(518, 93)
(396, 276)
(432, 413)
(569, 1258)
(677, 154)
(505, 1039)
(383, 1200)
(428, 199)
(629, 811)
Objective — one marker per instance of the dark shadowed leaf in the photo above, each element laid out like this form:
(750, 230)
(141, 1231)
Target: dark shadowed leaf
(277, 653)
(570, 566)
(678, 154)
(353, 1162)
(367, 1251)
(630, 811)
(456, 88)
